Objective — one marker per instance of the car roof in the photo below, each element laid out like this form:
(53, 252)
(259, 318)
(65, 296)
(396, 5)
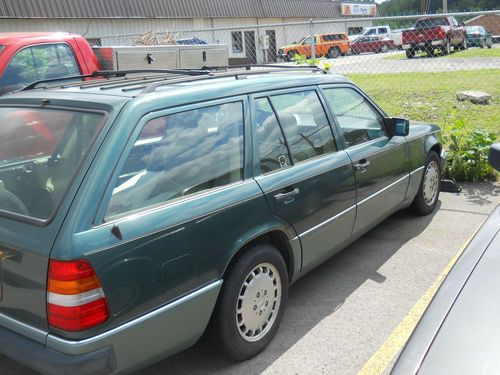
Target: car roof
(28, 38)
(202, 86)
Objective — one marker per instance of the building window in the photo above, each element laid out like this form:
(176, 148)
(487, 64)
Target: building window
(354, 30)
(237, 41)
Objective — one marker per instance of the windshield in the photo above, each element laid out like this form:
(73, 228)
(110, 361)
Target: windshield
(40, 151)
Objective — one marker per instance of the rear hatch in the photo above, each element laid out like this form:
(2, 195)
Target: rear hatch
(41, 150)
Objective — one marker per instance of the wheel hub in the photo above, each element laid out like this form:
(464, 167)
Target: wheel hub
(431, 183)
(258, 302)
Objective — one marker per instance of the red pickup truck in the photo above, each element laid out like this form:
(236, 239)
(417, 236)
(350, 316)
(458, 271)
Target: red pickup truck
(26, 58)
(30, 57)
(431, 33)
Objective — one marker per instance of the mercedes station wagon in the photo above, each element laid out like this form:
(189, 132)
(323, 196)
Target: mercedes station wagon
(140, 209)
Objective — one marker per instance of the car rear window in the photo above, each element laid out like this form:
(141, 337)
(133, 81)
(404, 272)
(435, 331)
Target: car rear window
(40, 151)
(333, 37)
(430, 22)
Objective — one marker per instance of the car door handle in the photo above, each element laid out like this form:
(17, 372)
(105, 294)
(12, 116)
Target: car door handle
(280, 197)
(361, 165)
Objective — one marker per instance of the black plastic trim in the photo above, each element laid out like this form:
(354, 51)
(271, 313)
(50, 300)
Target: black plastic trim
(47, 361)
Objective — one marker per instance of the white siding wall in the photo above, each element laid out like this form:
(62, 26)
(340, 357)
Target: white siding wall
(119, 31)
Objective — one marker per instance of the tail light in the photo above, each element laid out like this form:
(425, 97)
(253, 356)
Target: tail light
(75, 299)
(441, 33)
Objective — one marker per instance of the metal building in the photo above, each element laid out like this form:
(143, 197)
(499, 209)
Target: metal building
(231, 22)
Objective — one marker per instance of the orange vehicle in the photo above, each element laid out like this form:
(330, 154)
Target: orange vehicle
(329, 45)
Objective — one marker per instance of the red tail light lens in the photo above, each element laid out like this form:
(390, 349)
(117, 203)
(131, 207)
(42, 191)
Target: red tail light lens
(75, 299)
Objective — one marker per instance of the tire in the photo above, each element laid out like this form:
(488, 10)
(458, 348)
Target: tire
(333, 53)
(428, 193)
(290, 55)
(384, 49)
(410, 53)
(464, 45)
(251, 303)
(429, 50)
(446, 49)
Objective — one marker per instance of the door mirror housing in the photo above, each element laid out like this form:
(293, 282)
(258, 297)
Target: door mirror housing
(494, 156)
(397, 126)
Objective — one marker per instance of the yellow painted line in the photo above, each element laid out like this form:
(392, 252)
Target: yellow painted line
(383, 357)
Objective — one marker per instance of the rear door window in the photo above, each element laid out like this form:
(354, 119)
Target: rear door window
(179, 155)
(273, 151)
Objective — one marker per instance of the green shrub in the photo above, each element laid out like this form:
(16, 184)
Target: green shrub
(468, 153)
(303, 60)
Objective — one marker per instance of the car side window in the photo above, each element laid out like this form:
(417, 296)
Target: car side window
(40, 62)
(304, 122)
(273, 152)
(181, 154)
(358, 120)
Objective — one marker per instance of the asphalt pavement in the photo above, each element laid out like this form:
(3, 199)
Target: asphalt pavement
(341, 313)
(396, 62)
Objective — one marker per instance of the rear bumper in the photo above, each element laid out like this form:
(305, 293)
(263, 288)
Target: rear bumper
(135, 344)
(420, 45)
(47, 361)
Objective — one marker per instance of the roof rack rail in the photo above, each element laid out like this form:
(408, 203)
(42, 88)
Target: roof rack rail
(276, 68)
(118, 73)
(166, 76)
(313, 68)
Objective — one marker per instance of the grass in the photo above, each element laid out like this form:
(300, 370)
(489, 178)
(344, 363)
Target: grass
(467, 54)
(431, 97)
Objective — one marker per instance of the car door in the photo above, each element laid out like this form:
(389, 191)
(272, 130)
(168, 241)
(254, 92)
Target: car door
(306, 179)
(380, 161)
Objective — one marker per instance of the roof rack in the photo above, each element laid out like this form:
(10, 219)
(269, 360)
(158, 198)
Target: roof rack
(162, 77)
(226, 73)
(115, 74)
(312, 68)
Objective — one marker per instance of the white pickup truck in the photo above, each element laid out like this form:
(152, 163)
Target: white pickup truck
(383, 31)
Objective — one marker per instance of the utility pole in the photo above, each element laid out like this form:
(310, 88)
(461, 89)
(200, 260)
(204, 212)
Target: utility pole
(422, 6)
(445, 6)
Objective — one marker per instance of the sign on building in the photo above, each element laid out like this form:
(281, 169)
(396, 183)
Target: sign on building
(353, 9)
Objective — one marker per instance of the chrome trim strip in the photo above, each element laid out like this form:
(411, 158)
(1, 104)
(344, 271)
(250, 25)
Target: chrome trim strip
(147, 210)
(138, 320)
(384, 189)
(327, 221)
(24, 329)
(417, 170)
(298, 165)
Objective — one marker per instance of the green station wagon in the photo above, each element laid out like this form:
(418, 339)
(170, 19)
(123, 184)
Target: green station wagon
(138, 211)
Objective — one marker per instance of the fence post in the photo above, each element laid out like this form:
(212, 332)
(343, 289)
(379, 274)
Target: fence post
(313, 41)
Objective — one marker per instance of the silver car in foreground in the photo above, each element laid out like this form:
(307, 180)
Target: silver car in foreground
(460, 330)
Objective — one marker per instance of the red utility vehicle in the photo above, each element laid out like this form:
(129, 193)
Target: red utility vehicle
(432, 33)
(30, 57)
(372, 43)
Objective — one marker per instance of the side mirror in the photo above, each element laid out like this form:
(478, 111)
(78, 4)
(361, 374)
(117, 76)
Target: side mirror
(397, 126)
(494, 156)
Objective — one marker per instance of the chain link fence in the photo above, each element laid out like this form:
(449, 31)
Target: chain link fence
(412, 68)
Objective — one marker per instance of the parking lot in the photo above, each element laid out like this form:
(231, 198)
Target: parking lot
(341, 313)
(396, 62)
